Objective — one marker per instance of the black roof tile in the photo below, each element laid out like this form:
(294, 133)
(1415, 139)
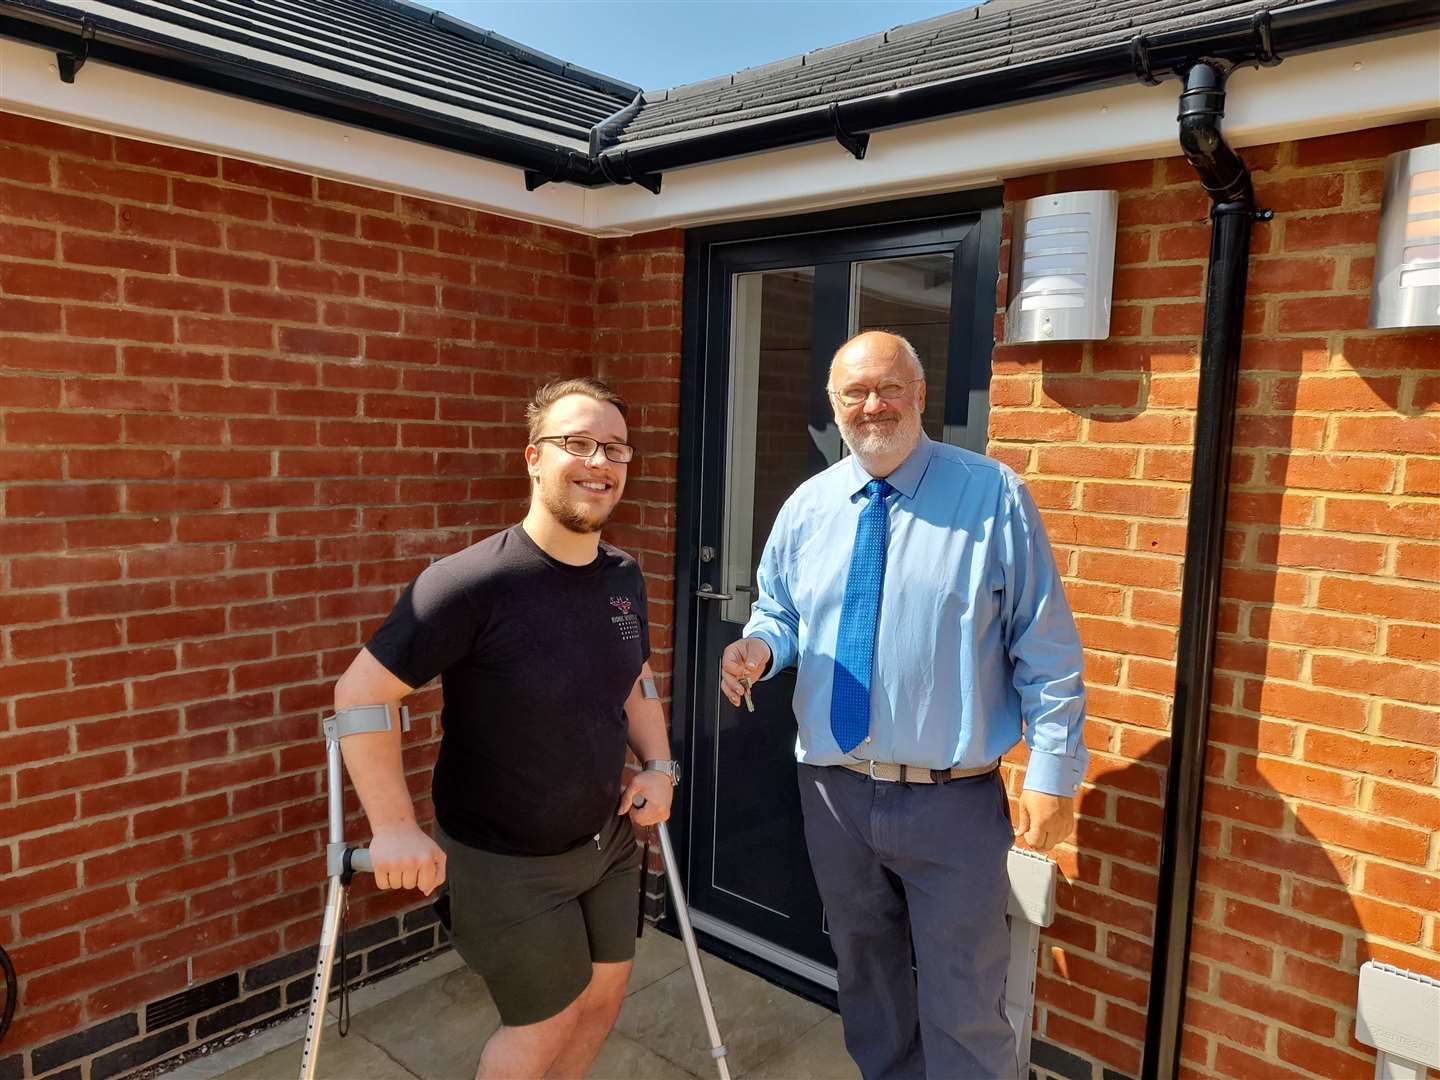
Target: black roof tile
(988, 37)
(423, 60)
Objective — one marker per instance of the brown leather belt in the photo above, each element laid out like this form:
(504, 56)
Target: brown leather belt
(915, 774)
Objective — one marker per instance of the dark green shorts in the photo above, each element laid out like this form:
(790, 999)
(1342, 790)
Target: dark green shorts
(531, 926)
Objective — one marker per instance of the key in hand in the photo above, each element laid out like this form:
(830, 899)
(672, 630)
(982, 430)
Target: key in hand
(749, 703)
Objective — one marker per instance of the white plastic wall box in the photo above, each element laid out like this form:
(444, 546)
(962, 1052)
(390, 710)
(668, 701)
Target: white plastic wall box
(1062, 267)
(1031, 908)
(1398, 1013)
(1406, 289)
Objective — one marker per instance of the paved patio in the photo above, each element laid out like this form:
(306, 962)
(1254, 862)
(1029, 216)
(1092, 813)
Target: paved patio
(429, 1023)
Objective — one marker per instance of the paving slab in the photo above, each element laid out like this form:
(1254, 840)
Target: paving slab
(350, 1058)
(819, 1054)
(757, 1019)
(625, 1059)
(436, 1031)
(431, 1022)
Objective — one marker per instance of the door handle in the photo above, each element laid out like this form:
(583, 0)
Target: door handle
(707, 592)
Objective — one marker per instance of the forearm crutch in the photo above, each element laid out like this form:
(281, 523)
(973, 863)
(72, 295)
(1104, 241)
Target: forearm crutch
(687, 933)
(342, 861)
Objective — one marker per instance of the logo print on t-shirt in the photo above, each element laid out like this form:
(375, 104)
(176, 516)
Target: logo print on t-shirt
(627, 622)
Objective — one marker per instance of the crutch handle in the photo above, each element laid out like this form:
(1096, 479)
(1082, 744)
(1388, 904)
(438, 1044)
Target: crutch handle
(343, 858)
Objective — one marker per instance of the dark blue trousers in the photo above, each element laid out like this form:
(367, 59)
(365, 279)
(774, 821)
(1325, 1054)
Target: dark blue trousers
(921, 863)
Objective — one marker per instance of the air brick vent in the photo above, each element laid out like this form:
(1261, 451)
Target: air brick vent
(189, 1002)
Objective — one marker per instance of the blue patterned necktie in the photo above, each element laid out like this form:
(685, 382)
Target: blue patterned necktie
(855, 646)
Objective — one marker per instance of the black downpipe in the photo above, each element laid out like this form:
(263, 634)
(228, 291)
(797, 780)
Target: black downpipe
(1227, 181)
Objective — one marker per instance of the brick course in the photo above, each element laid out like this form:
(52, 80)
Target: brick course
(1318, 836)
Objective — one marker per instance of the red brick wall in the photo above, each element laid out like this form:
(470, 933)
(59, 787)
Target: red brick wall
(1319, 847)
(637, 350)
(239, 409)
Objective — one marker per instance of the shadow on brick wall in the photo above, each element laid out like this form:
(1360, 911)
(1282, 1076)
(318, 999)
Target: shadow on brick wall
(1276, 940)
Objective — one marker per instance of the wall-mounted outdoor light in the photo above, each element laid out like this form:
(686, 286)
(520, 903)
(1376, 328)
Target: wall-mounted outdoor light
(1062, 267)
(1407, 253)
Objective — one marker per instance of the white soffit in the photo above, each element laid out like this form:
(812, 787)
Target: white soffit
(1342, 89)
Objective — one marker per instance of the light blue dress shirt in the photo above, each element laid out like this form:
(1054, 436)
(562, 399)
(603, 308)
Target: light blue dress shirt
(975, 646)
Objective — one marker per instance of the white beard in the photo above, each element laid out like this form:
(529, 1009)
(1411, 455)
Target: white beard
(871, 440)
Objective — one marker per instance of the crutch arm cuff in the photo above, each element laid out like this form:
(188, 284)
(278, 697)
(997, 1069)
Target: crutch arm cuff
(362, 720)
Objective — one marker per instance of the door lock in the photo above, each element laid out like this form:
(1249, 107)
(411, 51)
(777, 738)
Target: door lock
(707, 554)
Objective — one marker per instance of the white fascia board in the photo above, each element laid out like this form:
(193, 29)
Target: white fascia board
(1344, 89)
(139, 106)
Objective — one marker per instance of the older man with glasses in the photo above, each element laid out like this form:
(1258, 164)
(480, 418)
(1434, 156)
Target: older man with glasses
(914, 585)
(540, 637)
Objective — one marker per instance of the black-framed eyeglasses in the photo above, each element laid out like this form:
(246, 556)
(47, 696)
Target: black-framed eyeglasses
(582, 446)
(851, 396)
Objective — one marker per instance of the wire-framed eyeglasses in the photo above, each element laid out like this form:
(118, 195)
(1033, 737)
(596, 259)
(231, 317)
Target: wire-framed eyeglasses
(582, 446)
(850, 396)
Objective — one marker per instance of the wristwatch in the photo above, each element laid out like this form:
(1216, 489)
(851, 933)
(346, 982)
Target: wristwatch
(669, 768)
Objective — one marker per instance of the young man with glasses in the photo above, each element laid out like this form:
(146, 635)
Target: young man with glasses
(928, 645)
(540, 637)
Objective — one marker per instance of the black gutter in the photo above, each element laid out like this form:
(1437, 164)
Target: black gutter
(1227, 181)
(1239, 40)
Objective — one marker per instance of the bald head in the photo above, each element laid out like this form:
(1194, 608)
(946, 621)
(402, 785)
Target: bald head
(877, 389)
(876, 347)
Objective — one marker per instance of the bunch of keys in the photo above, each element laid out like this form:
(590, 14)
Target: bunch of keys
(745, 684)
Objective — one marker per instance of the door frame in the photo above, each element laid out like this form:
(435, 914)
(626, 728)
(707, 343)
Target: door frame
(696, 318)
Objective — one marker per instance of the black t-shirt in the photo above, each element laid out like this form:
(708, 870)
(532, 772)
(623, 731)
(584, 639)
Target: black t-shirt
(536, 659)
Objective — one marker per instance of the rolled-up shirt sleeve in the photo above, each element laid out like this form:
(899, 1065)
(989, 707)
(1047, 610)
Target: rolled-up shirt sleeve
(773, 617)
(1044, 649)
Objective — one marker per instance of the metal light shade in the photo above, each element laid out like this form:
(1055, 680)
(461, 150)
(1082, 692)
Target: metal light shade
(1062, 267)
(1407, 253)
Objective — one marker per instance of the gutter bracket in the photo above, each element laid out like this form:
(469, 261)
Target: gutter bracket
(71, 62)
(1140, 60)
(534, 178)
(1265, 54)
(856, 144)
(649, 181)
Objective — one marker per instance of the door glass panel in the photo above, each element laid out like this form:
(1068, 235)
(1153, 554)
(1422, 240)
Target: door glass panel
(771, 449)
(911, 296)
(759, 863)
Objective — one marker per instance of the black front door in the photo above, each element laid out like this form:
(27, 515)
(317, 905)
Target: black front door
(765, 312)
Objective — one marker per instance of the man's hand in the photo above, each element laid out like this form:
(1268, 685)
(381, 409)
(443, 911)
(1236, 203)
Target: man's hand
(745, 659)
(657, 791)
(1045, 820)
(406, 858)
